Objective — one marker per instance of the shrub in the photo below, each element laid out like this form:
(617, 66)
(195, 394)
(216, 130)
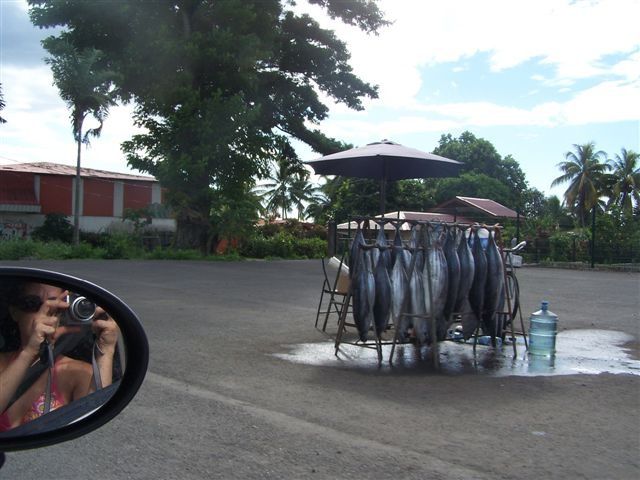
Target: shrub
(121, 245)
(17, 249)
(283, 245)
(56, 227)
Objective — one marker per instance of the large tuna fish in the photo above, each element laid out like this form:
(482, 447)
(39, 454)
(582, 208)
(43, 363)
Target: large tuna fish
(363, 291)
(436, 270)
(477, 291)
(383, 249)
(382, 303)
(493, 288)
(416, 295)
(467, 271)
(397, 244)
(454, 271)
(354, 252)
(399, 289)
(414, 243)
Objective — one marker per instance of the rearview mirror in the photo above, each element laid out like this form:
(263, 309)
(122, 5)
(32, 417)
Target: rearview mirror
(72, 356)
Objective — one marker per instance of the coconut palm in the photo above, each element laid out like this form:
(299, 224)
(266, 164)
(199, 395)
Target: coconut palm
(2, 120)
(303, 193)
(625, 180)
(284, 185)
(585, 173)
(87, 90)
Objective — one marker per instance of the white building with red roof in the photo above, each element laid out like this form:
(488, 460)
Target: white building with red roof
(29, 191)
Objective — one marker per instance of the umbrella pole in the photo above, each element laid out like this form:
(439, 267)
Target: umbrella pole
(383, 194)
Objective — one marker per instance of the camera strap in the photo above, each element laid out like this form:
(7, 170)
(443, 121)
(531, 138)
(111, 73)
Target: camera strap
(46, 361)
(97, 380)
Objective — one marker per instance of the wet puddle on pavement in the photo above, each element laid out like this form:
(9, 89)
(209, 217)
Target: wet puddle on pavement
(578, 352)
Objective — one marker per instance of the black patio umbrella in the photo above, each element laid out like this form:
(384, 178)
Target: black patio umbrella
(385, 161)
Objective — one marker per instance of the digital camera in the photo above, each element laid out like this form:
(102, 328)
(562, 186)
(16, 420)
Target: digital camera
(80, 312)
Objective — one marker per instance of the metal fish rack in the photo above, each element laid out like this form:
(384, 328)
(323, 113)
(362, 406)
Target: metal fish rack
(392, 334)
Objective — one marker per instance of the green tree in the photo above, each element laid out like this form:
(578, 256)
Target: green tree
(481, 157)
(278, 192)
(625, 178)
(303, 194)
(87, 90)
(585, 173)
(218, 86)
(471, 184)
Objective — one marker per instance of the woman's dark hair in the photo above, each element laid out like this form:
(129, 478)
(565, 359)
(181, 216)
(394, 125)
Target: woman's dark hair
(10, 290)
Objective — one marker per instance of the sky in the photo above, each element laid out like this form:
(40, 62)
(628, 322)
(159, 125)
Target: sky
(531, 77)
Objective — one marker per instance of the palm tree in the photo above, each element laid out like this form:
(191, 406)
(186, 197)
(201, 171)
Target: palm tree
(625, 180)
(2, 120)
(87, 90)
(586, 174)
(279, 192)
(302, 192)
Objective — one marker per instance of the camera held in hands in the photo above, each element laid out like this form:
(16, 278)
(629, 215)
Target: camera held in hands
(80, 312)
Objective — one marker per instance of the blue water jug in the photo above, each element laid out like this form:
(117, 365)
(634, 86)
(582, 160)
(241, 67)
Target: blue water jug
(543, 329)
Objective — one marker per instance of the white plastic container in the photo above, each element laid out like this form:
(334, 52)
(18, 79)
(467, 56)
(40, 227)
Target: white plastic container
(543, 329)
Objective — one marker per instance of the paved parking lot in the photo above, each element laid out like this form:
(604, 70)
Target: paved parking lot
(219, 403)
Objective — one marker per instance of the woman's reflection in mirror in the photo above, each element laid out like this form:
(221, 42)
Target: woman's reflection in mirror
(30, 317)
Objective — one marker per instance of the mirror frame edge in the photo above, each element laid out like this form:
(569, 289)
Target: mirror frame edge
(136, 355)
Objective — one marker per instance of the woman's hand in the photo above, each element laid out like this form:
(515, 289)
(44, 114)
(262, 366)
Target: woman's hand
(44, 323)
(106, 331)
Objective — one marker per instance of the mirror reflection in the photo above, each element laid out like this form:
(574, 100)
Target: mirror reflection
(57, 349)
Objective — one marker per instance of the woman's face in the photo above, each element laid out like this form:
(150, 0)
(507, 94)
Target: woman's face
(33, 295)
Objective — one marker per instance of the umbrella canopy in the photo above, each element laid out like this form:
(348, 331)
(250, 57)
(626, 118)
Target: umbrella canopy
(385, 161)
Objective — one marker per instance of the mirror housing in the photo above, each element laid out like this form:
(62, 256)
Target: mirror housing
(136, 359)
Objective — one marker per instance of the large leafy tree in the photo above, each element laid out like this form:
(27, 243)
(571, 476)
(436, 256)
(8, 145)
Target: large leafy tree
(220, 86)
(585, 171)
(625, 180)
(87, 89)
(481, 157)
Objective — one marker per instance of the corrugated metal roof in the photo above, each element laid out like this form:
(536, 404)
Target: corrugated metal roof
(49, 168)
(489, 207)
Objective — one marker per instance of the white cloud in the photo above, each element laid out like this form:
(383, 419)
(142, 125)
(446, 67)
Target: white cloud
(38, 127)
(570, 36)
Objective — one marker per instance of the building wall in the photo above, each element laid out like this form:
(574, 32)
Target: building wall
(56, 194)
(137, 195)
(13, 184)
(97, 197)
(101, 207)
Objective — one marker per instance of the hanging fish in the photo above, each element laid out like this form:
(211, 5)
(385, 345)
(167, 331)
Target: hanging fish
(414, 243)
(477, 291)
(354, 251)
(416, 298)
(493, 288)
(454, 272)
(399, 281)
(435, 271)
(382, 302)
(383, 249)
(363, 291)
(397, 244)
(400, 291)
(467, 271)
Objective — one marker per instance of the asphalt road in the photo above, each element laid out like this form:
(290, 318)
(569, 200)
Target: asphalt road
(217, 402)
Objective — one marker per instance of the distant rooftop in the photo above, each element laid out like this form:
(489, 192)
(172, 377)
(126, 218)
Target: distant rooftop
(472, 206)
(49, 168)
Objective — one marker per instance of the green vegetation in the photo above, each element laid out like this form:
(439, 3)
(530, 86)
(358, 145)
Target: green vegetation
(228, 88)
(225, 89)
